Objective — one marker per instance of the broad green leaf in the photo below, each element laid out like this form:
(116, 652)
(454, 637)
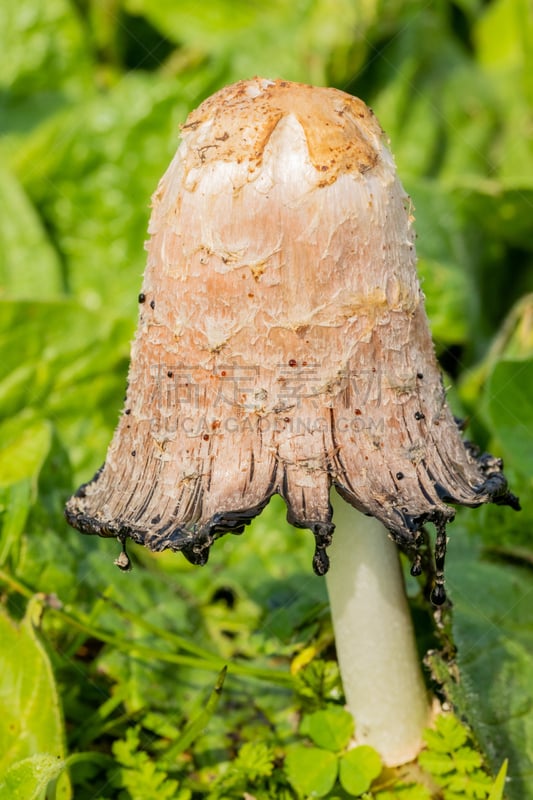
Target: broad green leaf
(432, 136)
(44, 59)
(449, 294)
(508, 401)
(503, 34)
(299, 41)
(444, 262)
(15, 501)
(358, 768)
(24, 444)
(501, 209)
(494, 638)
(91, 173)
(29, 266)
(63, 359)
(332, 728)
(31, 721)
(504, 44)
(514, 341)
(311, 770)
(28, 778)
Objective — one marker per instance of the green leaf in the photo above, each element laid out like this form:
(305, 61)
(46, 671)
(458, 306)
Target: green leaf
(358, 768)
(475, 784)
(24, 445)
(447, 735)
(426, 141)
(444, 262)
(467, 760)
(448, 291)
(91, 172)
(319, 682)
(15, 501)
(29, 265)
(331, 728)
(311, 770)
(28, 778)
(508, 401)
(297, 41)
(255, 760)
(504, 44)
(492, 631)
(498, 788)
(436, 763)
(43, 60)
(31, 721)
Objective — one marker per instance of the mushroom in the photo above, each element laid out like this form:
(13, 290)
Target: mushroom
(283, 347)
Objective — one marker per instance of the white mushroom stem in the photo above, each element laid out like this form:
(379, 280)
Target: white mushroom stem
(374, 637)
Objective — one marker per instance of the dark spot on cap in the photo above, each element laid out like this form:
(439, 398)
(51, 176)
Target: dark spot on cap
(142, 297)
(152, 304)
(399, 475)
(127, 411)
(205, 437)
(292, 363)
(170, 373)
(420, 375)
(419, 415)
(357, 412)
(134, 452)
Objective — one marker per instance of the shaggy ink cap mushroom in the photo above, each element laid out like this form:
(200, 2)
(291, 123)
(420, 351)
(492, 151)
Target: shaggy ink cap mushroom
(283, 346)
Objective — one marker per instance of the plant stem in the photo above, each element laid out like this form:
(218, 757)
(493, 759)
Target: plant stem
(374, 636)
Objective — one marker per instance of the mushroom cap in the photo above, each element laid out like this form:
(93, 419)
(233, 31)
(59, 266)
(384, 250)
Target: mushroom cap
(282, 346)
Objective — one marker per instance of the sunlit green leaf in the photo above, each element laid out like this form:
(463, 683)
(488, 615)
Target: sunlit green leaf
(447, 735)
(297, 40)
(44, 59)
(358, 768)
(499, 784)
(331, 728)
(31, 722)
(29, 265)
(27, 778)
(311, 770)
(24, 444)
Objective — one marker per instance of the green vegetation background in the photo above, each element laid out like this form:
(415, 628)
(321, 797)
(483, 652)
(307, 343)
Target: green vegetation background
(116, 670)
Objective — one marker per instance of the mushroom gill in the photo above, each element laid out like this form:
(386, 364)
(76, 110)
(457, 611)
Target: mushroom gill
(282, 346)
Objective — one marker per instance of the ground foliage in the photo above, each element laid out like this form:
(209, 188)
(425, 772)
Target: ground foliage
(122, 677)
